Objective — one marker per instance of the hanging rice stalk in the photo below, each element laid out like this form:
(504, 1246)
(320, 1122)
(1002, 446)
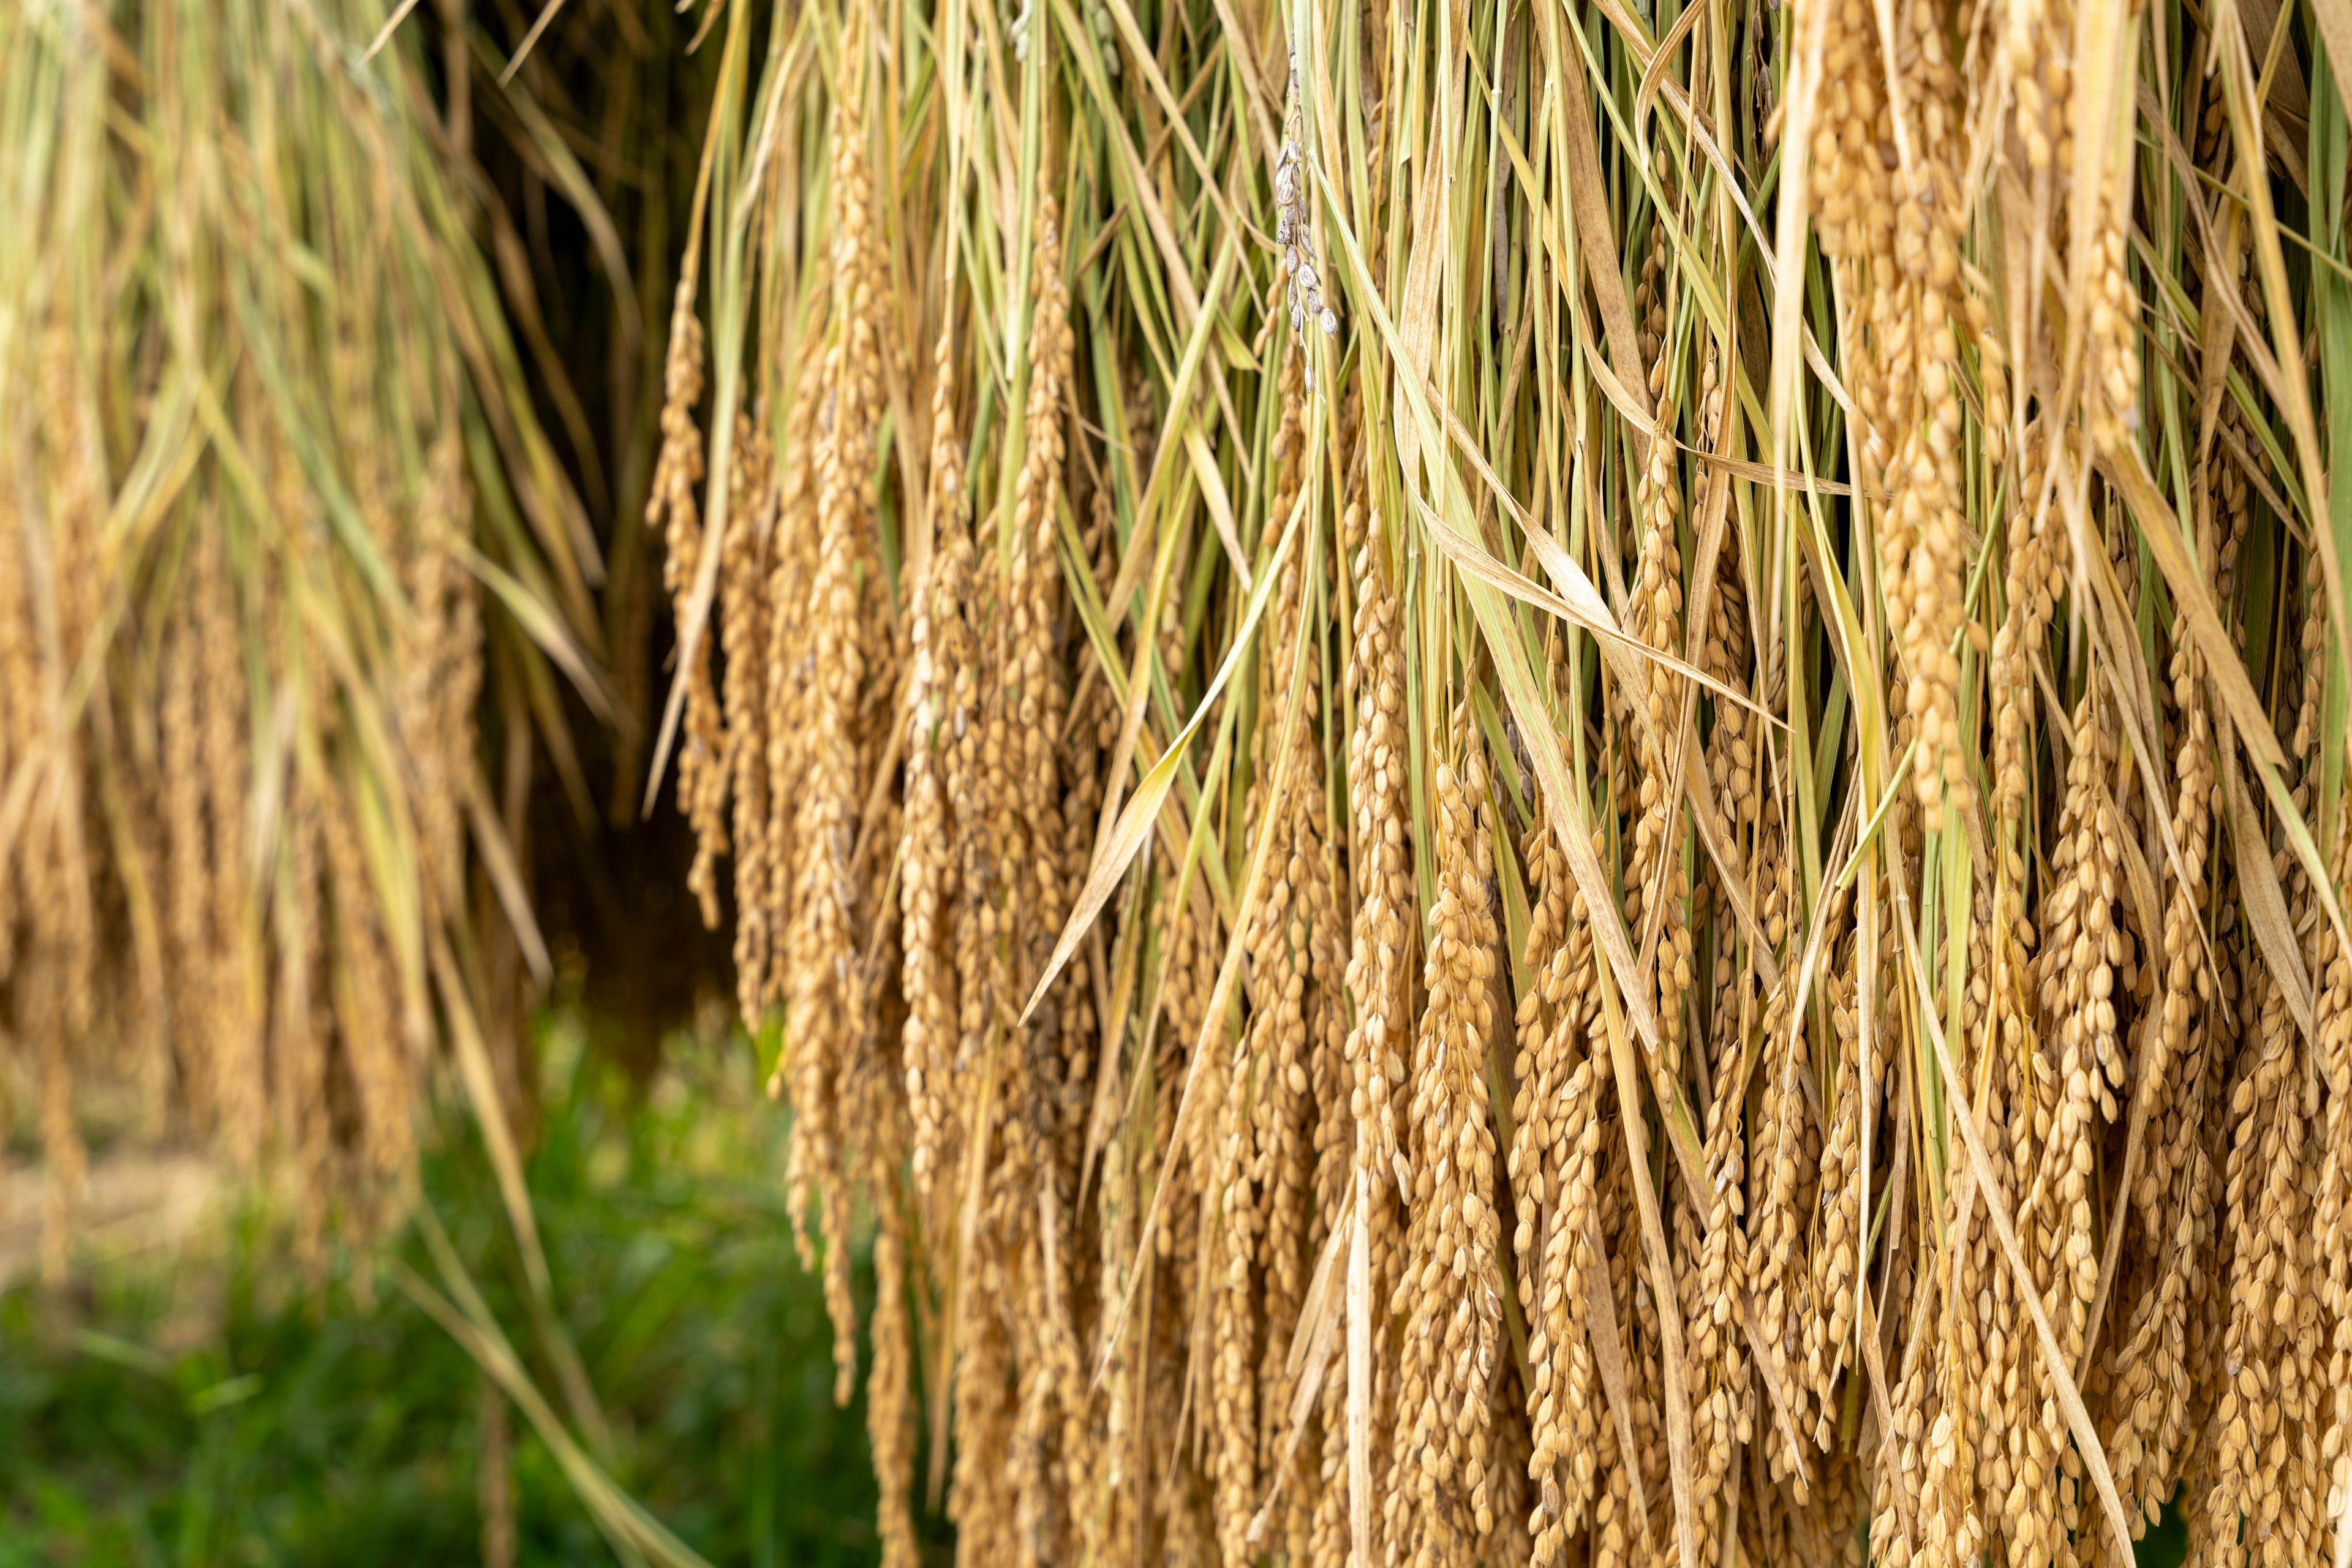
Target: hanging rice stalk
(274, 509)
(1539, 783)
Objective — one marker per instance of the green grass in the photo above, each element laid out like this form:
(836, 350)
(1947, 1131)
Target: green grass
(225, 1411)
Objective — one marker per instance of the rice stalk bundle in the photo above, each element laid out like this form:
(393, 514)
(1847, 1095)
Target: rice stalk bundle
(265, 444)
(1542, 783)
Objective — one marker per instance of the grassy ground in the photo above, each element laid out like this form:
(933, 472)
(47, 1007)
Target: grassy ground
(219, 1409)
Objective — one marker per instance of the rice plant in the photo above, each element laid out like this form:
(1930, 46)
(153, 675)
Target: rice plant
(275, 510)
(1541, 783)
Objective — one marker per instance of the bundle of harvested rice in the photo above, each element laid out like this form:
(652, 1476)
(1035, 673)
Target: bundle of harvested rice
(266, 442)
(1480, 863)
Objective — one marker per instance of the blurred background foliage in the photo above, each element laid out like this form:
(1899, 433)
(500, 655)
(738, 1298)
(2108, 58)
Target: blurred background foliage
(215, 1407)
(192, 1395)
